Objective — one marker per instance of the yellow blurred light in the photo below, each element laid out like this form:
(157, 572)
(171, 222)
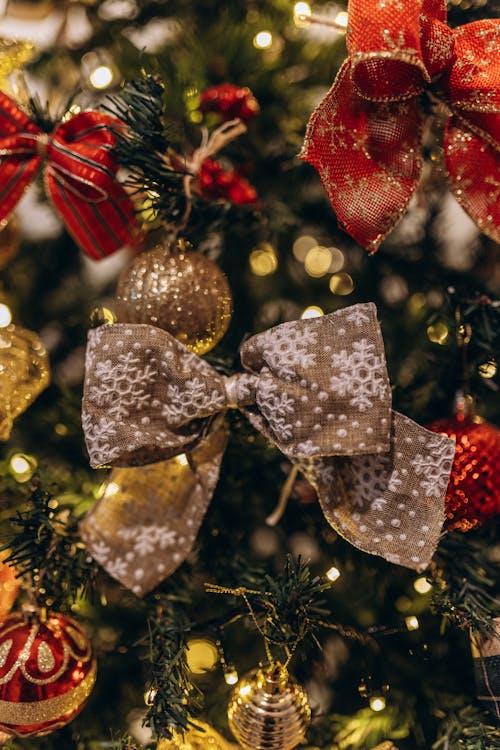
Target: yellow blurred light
(302, 245)
(263, 40)
(101, 77)
(416, 303)
(245, 690)
(301, 12)
(182, 459)
(22, 467)
(341, 283)
(231, 676)
(313, 311)
(403, 603)
(412, 622)
(337, 261)
(263, 260)
(342, 19)
(201, 655)
(437, 333)
(110, 489)
(422, 585)
(317, 262)
(377, 703)
(61, 429)
(488, 369)
(333, 574)
(5, 316)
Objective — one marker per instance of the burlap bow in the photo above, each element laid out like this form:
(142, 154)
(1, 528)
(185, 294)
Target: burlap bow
(318, 389)
(365, 138)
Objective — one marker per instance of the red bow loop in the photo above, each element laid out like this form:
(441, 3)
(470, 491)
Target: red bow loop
(79, 172)
(365, 136)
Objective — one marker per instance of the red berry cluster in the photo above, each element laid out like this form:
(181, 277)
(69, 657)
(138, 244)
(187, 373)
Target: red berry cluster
(230, 101)
(216, 182)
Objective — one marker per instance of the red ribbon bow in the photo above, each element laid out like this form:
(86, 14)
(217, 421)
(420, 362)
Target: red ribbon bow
(365, 138)
(79, 175)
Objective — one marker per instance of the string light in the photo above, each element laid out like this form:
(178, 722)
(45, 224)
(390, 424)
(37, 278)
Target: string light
(245, 690)
(333, 574)
(201, 655)
(22, 467)
(101, 77)
(377, 703)
(302, 245)
(318, 260)
(412, 622)
(342, 19)
(231, 676)
(341, 283)
(422, 585)
(263, 260)
(313, 311)
(5, 316)
(438, 333)
(301, 12)
(263, 40)
(488, 369)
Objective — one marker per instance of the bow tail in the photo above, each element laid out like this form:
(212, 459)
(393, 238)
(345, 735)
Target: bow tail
(368, 156)
(391, 504)
(146, 523)
(473, 161)
(100, 226)
(16, 175)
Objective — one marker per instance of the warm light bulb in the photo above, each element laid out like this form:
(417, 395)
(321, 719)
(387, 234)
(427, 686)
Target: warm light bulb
(201, 655)
(101, 77)
(182, 459)
(263, 260)
(313, 311)
(437, 333)
(263, 40)
(422, 585)
(342, 19)
(245, 690)
(22, 467)
(377, 703)
(231, 676)
(301, 12)
(333, 574)
(318, 260)
(412, 622)
(5, 316)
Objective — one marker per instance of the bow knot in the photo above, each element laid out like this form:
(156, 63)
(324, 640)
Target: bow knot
(317, 389)
(80, 175)
(365, 138)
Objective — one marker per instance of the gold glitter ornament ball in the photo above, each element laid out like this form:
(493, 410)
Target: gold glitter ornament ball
(268, 710)
(179, 290)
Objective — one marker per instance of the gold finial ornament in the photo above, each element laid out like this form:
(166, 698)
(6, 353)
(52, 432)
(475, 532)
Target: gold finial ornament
(268, 710)
(179, 290)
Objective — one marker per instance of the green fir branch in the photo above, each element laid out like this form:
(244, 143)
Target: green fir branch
(466, 582)
(44, 545)
(173, 698)
(471, 728)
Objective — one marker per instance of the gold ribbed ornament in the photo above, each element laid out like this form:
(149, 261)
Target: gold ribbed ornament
(179, 290)
(204, 738)
(268, 710)
(24, 373)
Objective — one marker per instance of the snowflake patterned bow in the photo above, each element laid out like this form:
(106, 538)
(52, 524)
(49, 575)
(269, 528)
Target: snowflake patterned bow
(318, 389)
(365, 137)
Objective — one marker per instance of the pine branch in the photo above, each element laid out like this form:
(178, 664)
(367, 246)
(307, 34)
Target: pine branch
(466, 581)
(471, 728)
(143, 145)
(173, 697)
(44, 544)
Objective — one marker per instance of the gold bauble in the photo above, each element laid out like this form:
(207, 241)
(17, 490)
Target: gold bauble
(205, 738)
(179, 290)
(268, 710)
(10, 240)
(14, 53)
(24, 373)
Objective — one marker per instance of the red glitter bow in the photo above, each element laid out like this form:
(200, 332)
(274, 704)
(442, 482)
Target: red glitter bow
(79, 175)
(365, 138)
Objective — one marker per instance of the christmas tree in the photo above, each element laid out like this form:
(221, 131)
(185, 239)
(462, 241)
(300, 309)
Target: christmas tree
(237, 542)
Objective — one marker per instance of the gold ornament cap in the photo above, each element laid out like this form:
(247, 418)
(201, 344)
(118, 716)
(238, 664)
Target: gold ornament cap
(268, 710)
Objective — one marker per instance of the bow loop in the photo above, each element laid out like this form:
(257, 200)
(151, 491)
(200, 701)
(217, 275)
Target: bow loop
(80, 169)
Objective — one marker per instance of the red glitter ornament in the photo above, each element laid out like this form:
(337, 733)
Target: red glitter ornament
(473, 495)
(230, 101)
(216, 182)
(47, 671)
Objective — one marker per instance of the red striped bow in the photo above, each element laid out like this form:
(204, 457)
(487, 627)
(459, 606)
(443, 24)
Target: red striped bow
(365, 138)
(79, 174)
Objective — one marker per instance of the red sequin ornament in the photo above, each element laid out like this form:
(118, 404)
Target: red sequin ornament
(47, 671)
(230, 101)
(216, 182)
(473, 495)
